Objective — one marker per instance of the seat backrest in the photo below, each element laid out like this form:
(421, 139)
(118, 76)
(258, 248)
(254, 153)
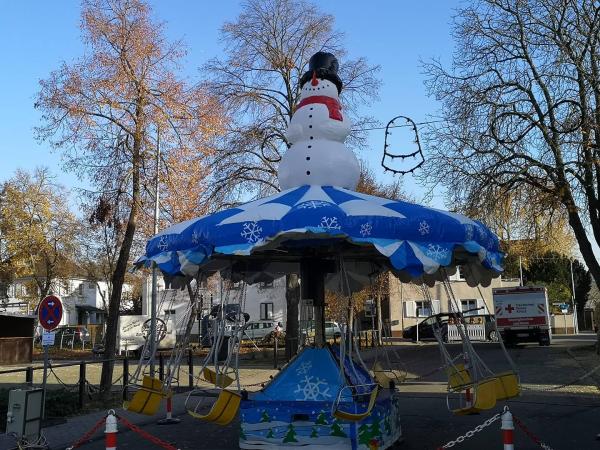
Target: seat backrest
(458, 376)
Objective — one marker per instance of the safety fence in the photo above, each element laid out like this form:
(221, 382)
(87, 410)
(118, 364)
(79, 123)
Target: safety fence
(475, 332)
(507, 427)
(111, 430)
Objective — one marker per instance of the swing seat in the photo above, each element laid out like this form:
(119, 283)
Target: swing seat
(147, 398)
(385, 378)
(223, 411)
(353, 416)
(484, 394)
(458, 376)
(221, 380)
(507, 386)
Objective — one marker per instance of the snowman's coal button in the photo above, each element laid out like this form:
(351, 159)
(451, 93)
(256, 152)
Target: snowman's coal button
(311, 137)
(308, 172)
(310, 116)
(308, 158)
(310, 126)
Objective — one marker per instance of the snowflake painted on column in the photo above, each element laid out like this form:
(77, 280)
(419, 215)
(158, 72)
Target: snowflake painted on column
(313, 204)
(437, 252)
(365, 229)
(312, 390)
(304, 368)
(331, 223)
(424, 228)
(163, 245)
(251, 231)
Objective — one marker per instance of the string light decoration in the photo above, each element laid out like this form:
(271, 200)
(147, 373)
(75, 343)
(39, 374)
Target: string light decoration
(418, 153)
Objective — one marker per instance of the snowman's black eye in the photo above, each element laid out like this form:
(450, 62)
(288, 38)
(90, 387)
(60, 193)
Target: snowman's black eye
(310, 126)
(308, 172)
(310, 146)
(308, 158)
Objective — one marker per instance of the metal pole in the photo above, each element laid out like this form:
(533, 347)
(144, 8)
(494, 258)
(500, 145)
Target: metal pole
(45, 377)
(81, 384)
(573, 299)
(520, 271)
(154, 270)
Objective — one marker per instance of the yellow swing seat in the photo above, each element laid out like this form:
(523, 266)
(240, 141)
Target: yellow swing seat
(147, 398)
(385, 377)
(484, 394)
(222, 380)
(223, 411)
(458, 376)
(356, 417)
(507, 386)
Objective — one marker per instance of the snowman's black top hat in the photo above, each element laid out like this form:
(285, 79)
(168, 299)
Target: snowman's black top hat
(325, 65)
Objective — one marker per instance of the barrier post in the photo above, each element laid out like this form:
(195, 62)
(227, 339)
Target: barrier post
(190, 368)
(110, 432)
(29, 375)
(161, 367)
(507, 430)
(125, 377)
(81, 384)
(169, 419)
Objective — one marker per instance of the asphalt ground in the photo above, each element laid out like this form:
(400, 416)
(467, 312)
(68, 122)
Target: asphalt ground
(567, 418)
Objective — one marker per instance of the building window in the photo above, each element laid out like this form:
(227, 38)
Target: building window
(266, 311)
(469, 307)
(421, 308)
(266, 284)
(80, 289)
(236, 285)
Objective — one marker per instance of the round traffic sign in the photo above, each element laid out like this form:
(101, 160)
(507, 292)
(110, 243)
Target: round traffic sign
(50, 312)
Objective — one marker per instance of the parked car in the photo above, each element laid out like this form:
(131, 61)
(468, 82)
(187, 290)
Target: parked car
(426, 326)
(71, 336)
(259, 330)
(332, 330)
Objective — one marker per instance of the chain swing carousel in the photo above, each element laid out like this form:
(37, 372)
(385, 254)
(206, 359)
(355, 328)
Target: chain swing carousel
(336, 239)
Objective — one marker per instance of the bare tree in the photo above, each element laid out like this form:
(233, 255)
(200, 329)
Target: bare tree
(521, 105)
(104, 111)
(266, 52)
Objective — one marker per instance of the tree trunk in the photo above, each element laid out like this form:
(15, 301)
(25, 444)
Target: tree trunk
(292, 298)
(118, 278)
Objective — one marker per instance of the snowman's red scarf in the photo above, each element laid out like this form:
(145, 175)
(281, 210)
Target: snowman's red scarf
(334, 107)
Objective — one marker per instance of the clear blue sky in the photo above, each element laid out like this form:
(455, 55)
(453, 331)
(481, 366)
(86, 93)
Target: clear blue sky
(36, 36)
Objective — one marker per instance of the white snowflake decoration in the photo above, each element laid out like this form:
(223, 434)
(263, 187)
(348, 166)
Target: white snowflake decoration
(304, 368)
(251, 231)
(163, 245)
(313, 390)
(437, 252)
(195, 237)
(424, 228)
(313, 204)
(365, 229)
(331, 223)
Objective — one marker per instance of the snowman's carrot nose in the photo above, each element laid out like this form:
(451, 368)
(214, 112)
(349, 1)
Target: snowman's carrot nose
(314, 80)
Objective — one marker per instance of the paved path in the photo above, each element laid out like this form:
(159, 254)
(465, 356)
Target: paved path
(568, 418)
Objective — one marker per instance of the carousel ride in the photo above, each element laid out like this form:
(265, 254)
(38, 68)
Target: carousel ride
(336, 239)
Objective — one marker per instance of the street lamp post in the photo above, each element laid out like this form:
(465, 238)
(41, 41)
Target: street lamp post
(154, 269)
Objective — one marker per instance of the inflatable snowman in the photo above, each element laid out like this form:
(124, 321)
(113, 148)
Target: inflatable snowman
(317, 131)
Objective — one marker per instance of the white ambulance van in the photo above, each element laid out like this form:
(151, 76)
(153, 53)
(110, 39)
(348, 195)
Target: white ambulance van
(522, 314)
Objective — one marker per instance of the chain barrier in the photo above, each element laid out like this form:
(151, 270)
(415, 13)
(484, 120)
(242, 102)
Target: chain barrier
(145, 434)
(554, 388)
(471, 433)
(87, 436)
(531, 436)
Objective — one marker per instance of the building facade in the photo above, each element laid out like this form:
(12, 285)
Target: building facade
(407, 306)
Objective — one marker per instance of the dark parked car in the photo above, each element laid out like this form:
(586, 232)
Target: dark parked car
(442, 320)
(71, 336)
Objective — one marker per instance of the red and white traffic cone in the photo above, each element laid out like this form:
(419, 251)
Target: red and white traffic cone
(507, 430)
(110, 432)
(169, 419)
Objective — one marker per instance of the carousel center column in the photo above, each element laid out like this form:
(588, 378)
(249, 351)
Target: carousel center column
(312, 278)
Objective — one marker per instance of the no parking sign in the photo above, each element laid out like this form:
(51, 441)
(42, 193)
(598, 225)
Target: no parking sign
(50, 312)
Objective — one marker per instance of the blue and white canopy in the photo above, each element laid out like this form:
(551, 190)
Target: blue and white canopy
(413, 241)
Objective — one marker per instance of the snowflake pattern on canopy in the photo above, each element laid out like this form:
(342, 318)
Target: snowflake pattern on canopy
(365, 229)
(195, 237)
(424, 228)
(251, 231)
(304, 368)
(313, 204)
(163, 245)
(436, 252)
(331, 223)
